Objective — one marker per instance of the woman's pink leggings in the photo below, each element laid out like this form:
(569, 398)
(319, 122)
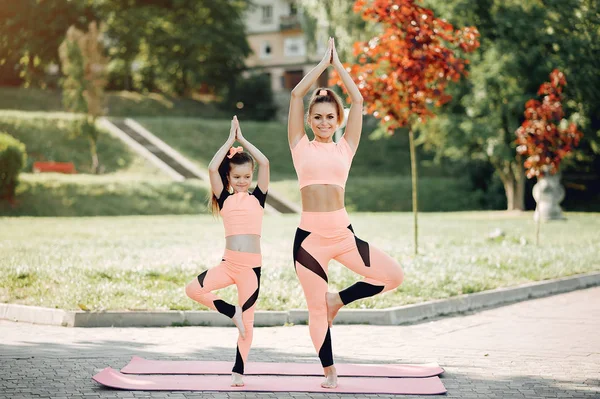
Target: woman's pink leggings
(323, 236)
(243, 270)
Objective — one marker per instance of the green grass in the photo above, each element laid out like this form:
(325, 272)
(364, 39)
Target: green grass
(144, 262)
(394, 194)
(48, 137)
(128, 184)
(374, 184)
(200, 138)
(118, 104)
(108, 195)
(378, 181)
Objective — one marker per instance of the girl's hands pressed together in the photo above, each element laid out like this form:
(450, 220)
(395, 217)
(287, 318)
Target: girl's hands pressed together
(232, 131)
(238, 134)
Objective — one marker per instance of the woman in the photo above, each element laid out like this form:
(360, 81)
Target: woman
(231, 171)
(325, 231)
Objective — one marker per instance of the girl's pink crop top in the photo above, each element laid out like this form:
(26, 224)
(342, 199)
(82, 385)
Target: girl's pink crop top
(322, 163)
(242, 213)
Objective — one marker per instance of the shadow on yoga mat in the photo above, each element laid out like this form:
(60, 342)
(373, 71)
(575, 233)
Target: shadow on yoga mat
(139, 365)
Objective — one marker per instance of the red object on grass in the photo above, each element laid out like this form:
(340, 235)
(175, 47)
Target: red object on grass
(58, 167)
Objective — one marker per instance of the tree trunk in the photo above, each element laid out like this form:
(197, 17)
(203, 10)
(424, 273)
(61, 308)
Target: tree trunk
(127, 81)
(413, 172)
(94, 153)
(513, 179)
(519, 172)
(184, 83)
(92, 134)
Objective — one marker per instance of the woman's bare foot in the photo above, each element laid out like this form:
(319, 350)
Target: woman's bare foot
(238, 321)
(330, 377)
(236, 380)
(334, 304)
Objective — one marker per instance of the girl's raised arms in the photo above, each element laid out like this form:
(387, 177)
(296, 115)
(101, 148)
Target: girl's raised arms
(216, 183)
(261, 159)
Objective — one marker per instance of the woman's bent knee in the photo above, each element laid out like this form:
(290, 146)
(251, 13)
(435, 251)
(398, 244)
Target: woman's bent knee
(191, 290)
(396, 277)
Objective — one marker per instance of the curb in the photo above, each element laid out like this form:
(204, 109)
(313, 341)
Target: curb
(390, 316)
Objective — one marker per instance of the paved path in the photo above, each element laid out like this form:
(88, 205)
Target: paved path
(544, 348)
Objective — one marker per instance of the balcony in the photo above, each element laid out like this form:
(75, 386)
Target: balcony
(289, 23)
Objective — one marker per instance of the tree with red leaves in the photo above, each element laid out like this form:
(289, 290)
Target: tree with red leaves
(404, 72)
(542, 138)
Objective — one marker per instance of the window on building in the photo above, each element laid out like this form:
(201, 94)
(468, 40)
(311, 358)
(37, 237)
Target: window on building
(294, 46)
(267, 14)
(266, 50)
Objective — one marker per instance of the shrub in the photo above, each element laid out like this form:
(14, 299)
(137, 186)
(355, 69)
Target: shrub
(251, 98)
(52, 195)
(12, 159)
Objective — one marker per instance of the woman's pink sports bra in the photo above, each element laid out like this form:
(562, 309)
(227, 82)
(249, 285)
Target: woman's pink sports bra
(242, 213)
(322, 163)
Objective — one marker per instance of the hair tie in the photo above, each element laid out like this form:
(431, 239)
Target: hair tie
(323, 92)
(233, 151)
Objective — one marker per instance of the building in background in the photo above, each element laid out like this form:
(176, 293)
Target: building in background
(275, 35)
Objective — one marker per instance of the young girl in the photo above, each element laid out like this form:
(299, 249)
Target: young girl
(325, 231)
(231, 171)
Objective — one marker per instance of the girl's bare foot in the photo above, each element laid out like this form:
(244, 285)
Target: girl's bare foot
(239, 322)
(330, 377)
(334, 304)
(236, 380)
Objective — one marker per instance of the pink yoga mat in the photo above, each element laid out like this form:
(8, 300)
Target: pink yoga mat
(259, 383)
(139, 365)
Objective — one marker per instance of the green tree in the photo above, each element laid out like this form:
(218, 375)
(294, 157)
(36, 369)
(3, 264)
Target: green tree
(521, 42)
(180, 45)
(84, 65)
(404, 72)
(32, 30)
(335, 18)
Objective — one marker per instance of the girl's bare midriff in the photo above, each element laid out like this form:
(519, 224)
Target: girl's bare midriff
(244, 243)
(322, 198)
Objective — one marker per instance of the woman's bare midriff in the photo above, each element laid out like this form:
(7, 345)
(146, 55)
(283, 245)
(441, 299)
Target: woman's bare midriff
(243, 243)
(322, 198)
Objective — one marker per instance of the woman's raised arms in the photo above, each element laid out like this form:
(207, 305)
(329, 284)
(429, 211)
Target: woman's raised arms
(296, 115)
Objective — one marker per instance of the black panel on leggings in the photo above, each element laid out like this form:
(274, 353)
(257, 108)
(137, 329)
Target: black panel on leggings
(307, 260)
(326, 353)
(201, 278)
(224, 308)
(299, 239)
(252, 300)
(238, 367)
(359, 290)
(363, 248)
